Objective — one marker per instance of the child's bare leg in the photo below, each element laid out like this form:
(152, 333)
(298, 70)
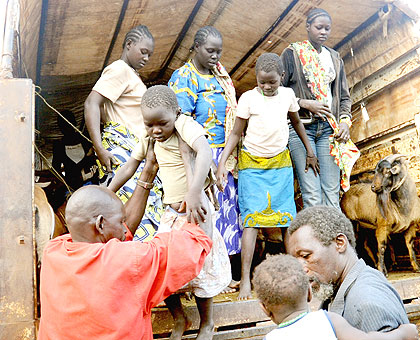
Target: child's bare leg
(248, 246)
(205, 309)
(181, 322)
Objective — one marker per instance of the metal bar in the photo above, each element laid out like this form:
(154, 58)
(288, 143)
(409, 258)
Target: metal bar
(265, 36)
(179, 39)
(6, 57)
(17, 298)
(3, 11)
(116, 32)
(359, 29)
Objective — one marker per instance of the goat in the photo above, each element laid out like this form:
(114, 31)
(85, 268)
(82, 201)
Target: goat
(389, 205)
(47, 224)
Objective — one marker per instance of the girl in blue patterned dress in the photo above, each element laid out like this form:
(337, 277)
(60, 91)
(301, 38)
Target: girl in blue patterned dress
(205, 91)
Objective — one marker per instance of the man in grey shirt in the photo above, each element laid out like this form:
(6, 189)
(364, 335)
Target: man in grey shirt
(323, 239)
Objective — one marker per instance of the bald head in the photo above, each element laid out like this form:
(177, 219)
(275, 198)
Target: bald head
(86, 205)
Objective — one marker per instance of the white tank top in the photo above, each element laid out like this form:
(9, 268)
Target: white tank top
(313, 326)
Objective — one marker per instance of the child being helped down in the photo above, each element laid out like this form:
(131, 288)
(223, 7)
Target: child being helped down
(283, 289)
(184, 196)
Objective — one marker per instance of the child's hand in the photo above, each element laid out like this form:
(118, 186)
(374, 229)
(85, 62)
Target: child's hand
(221, 177)
(107, 159)
(312, 161)
(194, 207)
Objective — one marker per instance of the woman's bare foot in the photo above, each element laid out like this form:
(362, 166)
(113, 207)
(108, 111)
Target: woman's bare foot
(180, 326)
(231, 288)
(205, 332)
(245, 292)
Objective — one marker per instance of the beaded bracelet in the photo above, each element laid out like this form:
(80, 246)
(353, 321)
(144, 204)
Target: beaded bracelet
(144, 185)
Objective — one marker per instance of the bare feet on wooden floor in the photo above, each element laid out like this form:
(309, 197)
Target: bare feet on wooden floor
(205, 332)
(245, 292)
(180, 326)
(231, 288)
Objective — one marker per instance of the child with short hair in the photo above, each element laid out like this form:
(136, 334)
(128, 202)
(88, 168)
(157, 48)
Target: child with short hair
(283, 289)
(266, 192)
(184, 197)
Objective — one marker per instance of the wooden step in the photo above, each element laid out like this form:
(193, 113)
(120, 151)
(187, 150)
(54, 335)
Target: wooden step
(245, 319)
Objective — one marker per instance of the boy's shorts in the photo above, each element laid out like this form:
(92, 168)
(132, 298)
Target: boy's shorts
(216, 273)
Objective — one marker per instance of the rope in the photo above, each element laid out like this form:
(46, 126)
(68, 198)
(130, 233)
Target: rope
(51, 168)
(64, 118)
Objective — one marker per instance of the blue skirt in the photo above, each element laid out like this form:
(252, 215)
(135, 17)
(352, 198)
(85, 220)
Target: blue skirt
(227, 217)
(266, 193)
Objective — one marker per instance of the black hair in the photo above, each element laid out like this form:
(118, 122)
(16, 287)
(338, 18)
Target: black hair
(137, 33)
(315, 13)
(202, 34)
(326, 224)
(280, 280)
(268, 62)
(160, 95)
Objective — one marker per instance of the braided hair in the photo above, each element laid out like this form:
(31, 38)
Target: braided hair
(315, 13)
(160, 95)
(137, 33)
(202, 34)
(268, 62)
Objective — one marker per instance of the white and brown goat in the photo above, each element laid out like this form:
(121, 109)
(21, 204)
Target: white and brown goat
(389, 205)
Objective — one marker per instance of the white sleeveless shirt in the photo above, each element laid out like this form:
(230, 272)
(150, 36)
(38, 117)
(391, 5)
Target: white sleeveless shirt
(313, 326)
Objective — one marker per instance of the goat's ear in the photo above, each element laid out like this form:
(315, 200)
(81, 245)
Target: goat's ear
(396, 169)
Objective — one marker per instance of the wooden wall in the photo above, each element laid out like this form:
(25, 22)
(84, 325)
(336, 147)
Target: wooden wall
(383, 73)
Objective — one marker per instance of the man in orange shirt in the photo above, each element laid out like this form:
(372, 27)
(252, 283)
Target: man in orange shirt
(93, 286)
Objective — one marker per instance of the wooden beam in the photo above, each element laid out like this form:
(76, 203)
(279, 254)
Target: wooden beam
(116, 32)
(264, 37)
(179, 39)
(39, 56)
(42, 24)
(397, 70)
(359, 29)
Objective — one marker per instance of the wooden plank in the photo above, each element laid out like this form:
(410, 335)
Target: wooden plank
(372, 51)
(394, 105)
(29, 33)
(257, 332)
(397, 70)
(408, 287)
(225, 313)
(17, 300)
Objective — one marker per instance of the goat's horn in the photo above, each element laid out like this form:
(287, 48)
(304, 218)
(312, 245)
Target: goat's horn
(392, 158)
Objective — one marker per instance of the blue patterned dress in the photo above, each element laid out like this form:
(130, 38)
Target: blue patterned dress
(202, 97)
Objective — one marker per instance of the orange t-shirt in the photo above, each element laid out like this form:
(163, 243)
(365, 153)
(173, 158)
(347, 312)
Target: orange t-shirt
(107, 290)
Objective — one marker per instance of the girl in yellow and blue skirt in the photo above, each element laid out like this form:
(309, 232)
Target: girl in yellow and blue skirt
(266, 195)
